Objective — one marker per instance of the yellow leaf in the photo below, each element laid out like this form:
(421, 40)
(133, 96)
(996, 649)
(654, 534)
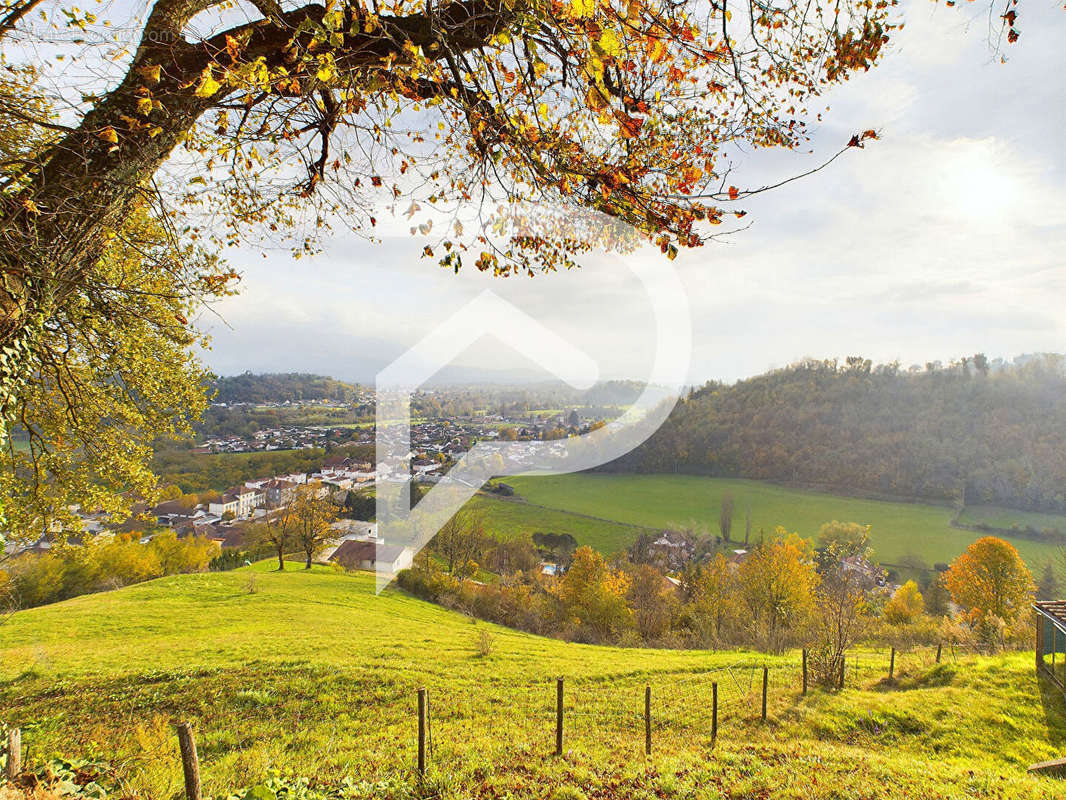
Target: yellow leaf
(633, 10)
(609, 43)
(583, 8)
(208, 85)
(326, 73)
(108, 135)
(144, 106)
(595, 99)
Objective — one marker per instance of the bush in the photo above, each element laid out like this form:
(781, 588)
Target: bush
(69, 571)
(485, 642)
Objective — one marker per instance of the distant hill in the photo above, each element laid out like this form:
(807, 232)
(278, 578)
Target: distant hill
(279, 387)
(986, 433)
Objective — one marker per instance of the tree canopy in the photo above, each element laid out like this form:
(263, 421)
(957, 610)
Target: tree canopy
(298, 116)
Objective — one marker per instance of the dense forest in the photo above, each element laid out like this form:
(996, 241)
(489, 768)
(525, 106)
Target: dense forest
(279, 387)
(973, 430)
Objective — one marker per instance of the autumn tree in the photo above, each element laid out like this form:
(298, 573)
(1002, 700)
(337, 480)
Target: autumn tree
(111, 370)
(460, 540)
(844, 539)
(777, 584)
(305, 114)
(841, 599)
(653, 601)
(269, 535)
(593, 595)
(307, 520)
(714, 608)
(990, 580)
(905, 605)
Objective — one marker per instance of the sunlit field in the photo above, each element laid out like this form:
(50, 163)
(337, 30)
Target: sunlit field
(596, 503)
(310, 674)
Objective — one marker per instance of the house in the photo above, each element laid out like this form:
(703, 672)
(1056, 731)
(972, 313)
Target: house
(356, 554)
(859, 566)
(279, 492)
(227, 504)
(240, 501)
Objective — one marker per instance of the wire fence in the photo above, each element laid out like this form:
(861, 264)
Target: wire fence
(640, 709)
(714, 703)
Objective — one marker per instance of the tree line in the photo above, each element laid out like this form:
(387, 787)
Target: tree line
(783, 592)
(970, 432)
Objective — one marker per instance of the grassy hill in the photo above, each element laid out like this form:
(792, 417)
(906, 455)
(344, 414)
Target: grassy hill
(310, 673)
(598, 502)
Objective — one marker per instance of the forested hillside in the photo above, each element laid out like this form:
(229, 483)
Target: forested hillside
(279, 387)
(984, 433)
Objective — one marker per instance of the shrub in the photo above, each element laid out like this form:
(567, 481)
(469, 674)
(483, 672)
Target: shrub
(485, 643)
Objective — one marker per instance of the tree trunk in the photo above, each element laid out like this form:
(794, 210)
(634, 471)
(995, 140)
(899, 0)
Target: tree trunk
(281, 560)
(53, 233)
(308, 564)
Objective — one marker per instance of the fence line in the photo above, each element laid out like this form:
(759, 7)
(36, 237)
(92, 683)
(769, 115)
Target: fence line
(697, 703)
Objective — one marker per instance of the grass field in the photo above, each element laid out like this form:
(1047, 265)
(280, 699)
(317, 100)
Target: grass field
(310, 673)
(1008, 517)
(506, 518)
(658, 501)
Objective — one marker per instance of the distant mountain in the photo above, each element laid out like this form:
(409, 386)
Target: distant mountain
(279, 387)
(985, 432)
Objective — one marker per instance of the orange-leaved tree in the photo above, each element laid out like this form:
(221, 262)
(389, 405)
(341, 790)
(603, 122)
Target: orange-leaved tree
(991, 580)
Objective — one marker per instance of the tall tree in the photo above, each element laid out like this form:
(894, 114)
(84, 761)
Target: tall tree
(594, 595)
(715, 604)
(990, 580)
(272, 535)
(725, 516)
(308, 518)
(460, 540)
(111, 370)
(777, 583)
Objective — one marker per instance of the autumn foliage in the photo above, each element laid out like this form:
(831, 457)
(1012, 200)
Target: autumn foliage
(990, 580)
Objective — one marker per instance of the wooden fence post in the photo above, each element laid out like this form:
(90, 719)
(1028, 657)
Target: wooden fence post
(647, 720)
(190, 762)
(714, 713)
(892, 665)
(765, 680)
(939, 647)
(421, 732)
(558, 716)
(804, 670)
(14, 753)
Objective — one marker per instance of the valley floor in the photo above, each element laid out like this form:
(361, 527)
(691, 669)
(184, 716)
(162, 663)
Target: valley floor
(608, 512)
(310, 673)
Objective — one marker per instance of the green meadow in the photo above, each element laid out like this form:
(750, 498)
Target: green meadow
(311, 674)
(608, 512)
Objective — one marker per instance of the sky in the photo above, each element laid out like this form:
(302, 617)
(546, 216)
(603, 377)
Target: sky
(944, 238)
